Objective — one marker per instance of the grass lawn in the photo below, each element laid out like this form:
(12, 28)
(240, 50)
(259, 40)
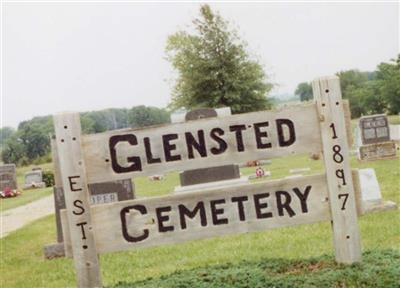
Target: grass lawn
(27, 196)
(293, 256)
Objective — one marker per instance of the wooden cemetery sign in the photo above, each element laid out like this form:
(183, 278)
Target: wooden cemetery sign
(314, 128)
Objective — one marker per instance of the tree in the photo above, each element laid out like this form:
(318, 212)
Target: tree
(304, 91)
(388, 84)
(13, 150)
(214, 68)
(5, 133)
(141, 116)
(351, 81)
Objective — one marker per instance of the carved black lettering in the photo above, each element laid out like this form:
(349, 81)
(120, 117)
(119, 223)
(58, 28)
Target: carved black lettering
(168, 147)
(303, 197)
(261, 134)
(163, 218)
(258, 205)
(149, 154)
(214, 134)
(199, 145)
(136, 164)
(240, 200)
(340, 174)
(215, 212)
(281, 135)
(239, 136)
(142, 210)
(72, 183)
(185, 212)
(81, 209)
(284, 203)
(82, 225)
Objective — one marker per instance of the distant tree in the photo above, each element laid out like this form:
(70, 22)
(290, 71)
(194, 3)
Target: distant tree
(35, 140)
(13, 150)
(214, 68)
(304, 91)
(5, 133)
(87, 123)
(388, 84)
(350, 83)
(141, 116)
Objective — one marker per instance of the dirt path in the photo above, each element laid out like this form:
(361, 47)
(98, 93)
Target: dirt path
(16, 218)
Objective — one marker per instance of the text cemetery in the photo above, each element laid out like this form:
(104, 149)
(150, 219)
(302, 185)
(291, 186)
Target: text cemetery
(215, 212)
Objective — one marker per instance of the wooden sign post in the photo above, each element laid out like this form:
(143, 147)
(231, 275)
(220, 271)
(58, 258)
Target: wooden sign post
(338, 172)
(73, 173)
(312, 128)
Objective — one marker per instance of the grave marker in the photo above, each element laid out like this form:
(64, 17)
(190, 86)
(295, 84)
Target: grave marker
(375, 138)
(8, 177)
(34, 179)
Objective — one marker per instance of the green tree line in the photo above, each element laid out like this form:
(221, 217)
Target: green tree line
(30, 143)
(368, 92)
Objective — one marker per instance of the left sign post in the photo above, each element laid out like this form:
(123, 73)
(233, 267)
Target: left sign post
(73, 174)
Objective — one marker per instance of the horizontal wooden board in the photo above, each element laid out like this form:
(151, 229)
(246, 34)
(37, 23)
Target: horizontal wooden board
(227, 140)
(166, 220)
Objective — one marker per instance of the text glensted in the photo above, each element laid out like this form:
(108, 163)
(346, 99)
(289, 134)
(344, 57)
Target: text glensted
(200, 143)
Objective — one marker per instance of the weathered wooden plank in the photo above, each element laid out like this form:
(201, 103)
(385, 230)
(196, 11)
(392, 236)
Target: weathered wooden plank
(232, 139)
(220, 213)
(337, 165)
(73, 177)
(347, 120)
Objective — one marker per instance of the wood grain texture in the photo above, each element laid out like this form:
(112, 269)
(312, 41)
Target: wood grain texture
(305, 119)
(73, 176)
(108, 225)
(337, 166)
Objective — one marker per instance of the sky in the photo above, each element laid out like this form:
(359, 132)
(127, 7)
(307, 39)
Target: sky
(89, 56)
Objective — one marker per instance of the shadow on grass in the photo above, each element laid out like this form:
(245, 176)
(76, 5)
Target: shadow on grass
(379, 268)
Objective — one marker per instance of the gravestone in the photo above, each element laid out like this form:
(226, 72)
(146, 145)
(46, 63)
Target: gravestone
(374, 129)
(188, 178)
(375, 138)
(371, 193)
(8, 177)
(34, 179)
(395, 133)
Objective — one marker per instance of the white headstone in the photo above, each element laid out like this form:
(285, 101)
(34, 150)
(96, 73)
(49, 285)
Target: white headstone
(370, 191)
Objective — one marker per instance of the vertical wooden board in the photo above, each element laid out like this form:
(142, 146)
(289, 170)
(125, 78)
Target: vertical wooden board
(66, 234)
(56, 164)
(357, 191)
(347, 119)
(337, 164)
(73, 176)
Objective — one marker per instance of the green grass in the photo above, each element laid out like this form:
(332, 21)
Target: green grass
(227, 260)
(26, 196)
(378, 269)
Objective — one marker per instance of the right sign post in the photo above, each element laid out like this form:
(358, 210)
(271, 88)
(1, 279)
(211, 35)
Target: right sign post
(335, 149)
